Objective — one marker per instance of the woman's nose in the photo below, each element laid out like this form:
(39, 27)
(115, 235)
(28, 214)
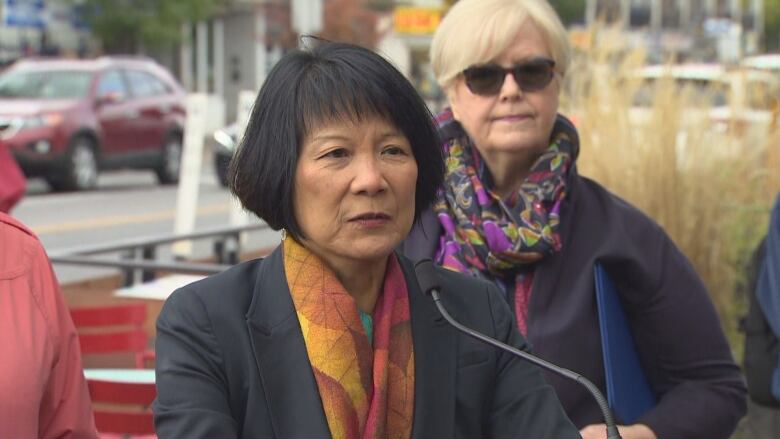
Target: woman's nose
(510, 89)
(369, 177)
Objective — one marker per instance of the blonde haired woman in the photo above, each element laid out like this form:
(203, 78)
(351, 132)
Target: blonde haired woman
(514, 210)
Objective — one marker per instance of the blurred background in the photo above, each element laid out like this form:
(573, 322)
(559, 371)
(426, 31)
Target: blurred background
(676, 102)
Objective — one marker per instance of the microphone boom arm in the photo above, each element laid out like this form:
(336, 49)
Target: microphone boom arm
(612, 431)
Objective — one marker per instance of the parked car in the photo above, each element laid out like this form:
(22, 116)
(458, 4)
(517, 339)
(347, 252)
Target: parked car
(225, 142)
(735, 103)
(768, 62)
(734, 97)
(67, 120)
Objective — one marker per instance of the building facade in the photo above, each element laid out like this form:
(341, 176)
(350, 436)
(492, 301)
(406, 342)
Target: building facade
(704, 30)
(41, 27)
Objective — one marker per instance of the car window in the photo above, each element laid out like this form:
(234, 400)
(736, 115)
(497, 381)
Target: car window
(699, 91)
(761, 95)
(64, 84)
(159, 86)
(706, 92)
(111, 83)
(144, 84)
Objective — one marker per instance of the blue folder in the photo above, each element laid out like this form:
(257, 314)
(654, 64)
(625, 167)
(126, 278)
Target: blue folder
(628, 391)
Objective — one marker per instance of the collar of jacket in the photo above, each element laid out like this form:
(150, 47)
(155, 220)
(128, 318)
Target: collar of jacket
(287, 378)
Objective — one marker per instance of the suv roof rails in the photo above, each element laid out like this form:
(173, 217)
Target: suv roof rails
(124, 58)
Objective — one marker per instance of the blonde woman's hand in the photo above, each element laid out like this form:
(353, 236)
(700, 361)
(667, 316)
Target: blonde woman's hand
(635, 431)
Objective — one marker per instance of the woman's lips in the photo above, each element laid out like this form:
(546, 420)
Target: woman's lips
(514, 118)
(370, 220)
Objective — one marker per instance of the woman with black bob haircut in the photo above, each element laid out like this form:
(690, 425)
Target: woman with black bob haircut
(329, 83)
(330, 335)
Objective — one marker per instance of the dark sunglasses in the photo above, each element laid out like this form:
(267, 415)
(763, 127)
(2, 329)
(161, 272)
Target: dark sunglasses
(532, 75)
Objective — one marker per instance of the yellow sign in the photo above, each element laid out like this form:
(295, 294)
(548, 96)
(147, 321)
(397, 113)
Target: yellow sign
(416, 21)
(581, 38)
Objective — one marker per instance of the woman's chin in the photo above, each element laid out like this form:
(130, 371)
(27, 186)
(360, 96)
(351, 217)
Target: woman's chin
(520, 144)
(371, 249)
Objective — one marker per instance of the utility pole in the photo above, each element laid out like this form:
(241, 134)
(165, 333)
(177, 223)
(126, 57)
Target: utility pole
(185, 57)
(735, 11)
(590, 12)
(201, 57)
(656, 15)
(306, 17)
(758, 18)
(625, 13)
(685, 15)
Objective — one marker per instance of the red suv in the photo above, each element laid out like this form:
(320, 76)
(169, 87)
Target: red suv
(65, 120)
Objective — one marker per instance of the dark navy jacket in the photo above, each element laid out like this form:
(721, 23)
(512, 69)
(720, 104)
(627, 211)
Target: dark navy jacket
(682, 348)
(232, 363)
(681, 345)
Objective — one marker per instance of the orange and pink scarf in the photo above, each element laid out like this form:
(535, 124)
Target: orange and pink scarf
(367, 391)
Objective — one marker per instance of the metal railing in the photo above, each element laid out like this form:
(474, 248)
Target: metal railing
(138, 256)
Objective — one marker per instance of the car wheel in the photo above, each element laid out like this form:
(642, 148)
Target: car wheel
(221, 164)
(170, 161)
(80, 167)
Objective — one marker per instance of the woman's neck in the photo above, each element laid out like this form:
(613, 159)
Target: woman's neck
(509, 169)
(363, 280)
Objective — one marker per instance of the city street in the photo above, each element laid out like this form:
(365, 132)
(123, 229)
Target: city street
(126, 205)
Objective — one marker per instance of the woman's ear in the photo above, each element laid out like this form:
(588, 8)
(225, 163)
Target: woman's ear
(453, 97)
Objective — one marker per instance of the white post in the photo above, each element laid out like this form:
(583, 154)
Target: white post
(218, 68)
(590, 12)
(246, 100)
(261, 52)
(735, 11)
(758, 18)
(685, 15)
(656, 15)
(306, 17)
(710, 8)
(275, 54)
(189, 179)
(219, 57)
(625, 13)
(185, 56)
(202, 48)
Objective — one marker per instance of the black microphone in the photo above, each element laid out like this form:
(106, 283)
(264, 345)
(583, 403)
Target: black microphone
(429, 283)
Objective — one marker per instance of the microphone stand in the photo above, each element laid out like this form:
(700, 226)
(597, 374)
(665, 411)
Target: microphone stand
(612, 431)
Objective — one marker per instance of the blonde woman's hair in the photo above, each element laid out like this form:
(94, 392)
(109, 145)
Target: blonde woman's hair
(478, 31)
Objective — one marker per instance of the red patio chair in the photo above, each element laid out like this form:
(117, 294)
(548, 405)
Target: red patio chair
(124, 331)
(129, 414)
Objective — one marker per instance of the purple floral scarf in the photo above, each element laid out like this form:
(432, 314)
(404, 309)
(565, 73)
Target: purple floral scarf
(497, 239)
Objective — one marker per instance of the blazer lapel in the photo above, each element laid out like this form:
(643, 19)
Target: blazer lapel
(280, 353)
(434, 364)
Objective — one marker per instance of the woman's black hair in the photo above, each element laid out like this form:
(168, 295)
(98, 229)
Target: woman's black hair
(306, 88)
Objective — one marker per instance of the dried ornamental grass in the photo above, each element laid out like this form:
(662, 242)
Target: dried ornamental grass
(708, 184)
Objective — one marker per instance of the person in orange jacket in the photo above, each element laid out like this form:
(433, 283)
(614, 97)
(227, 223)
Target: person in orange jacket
(43, 393)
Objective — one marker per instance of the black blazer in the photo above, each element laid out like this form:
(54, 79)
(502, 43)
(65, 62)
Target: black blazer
(232, 363)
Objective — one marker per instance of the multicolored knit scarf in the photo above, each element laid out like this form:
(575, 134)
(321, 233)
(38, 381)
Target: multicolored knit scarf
(367, 393)
(494, 238)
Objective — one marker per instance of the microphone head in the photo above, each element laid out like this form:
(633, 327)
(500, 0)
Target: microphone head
(426, 276)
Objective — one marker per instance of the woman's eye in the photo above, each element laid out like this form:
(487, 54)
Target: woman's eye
(335, 153)
(394, 150)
